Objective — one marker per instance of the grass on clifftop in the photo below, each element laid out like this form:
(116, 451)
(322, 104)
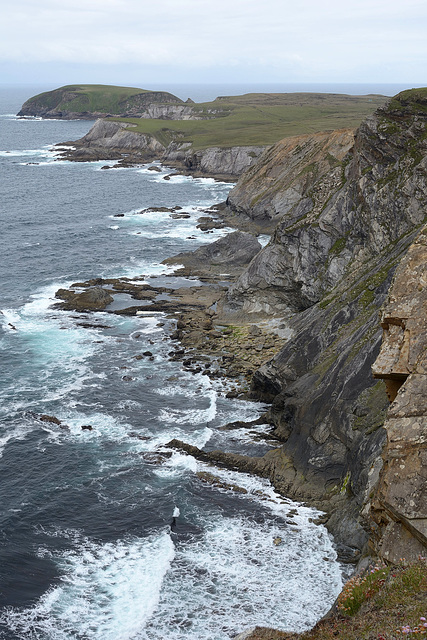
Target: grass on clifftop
(385, 603)
(261, 118)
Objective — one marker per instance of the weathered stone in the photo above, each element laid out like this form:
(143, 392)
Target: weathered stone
(399, 507)
(93, 298)
(226, 256)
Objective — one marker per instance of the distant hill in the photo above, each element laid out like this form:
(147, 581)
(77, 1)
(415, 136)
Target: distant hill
(90, 101)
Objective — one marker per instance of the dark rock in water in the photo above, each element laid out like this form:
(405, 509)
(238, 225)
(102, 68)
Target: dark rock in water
(93, 299)
(86, 427)
(45, 418)
(147, 353)
(166, 177)
(107, 166)
(154, 168)
(127, 378)
(119, 215)
(91, 325)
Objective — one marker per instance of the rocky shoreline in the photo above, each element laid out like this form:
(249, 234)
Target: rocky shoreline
(113, 140)
(296, 324)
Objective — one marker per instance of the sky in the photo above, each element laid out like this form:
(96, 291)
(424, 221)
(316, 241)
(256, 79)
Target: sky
(143, 42)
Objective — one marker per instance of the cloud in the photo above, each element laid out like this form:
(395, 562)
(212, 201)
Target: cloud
(305, 40)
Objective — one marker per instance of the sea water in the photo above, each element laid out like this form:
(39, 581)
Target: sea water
(87, 549)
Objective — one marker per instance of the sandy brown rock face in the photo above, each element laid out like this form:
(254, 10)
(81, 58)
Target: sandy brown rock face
(399, 509)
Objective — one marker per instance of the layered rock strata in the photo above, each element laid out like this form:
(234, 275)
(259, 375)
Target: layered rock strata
(399, 507)
(325, 275)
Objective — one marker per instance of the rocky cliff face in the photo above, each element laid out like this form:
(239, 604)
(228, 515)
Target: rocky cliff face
(399, 507)
(342, 231)
(109, 139)
(331, 219)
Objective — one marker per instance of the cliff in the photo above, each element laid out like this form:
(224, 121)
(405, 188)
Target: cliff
(87, 102)
(345, 220)
(399, 506)
(115, 140)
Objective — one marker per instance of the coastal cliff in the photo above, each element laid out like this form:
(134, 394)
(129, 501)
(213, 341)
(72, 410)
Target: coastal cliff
(113, 140)
(345, 221)
(398, 510)
(344, 208)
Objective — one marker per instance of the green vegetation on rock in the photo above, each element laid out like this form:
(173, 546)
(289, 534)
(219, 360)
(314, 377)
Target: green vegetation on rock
(260, 119)
(99, 99)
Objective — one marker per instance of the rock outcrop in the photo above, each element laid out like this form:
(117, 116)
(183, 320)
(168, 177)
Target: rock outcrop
(399, 506)
(111, 140)
(341, 233)
(91, 299)
(346, 214)
(286, 181)
(220, 259)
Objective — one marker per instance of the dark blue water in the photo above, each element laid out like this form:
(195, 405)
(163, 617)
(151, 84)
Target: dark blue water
(86, 547)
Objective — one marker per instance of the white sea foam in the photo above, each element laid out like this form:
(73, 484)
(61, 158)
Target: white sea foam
(13, 434)
(54, 346)
(263, 239)
(107, 592)
(191, 416)
(19, 153)
(226, 581)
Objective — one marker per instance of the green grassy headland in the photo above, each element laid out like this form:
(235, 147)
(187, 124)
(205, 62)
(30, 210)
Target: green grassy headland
(97, 98)
(261, 119)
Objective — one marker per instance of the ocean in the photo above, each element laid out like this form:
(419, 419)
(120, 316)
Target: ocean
(87, 550)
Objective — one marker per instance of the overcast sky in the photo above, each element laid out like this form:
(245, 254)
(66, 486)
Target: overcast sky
(138, 42)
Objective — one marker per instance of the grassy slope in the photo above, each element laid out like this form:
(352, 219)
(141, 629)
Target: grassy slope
(261, 119)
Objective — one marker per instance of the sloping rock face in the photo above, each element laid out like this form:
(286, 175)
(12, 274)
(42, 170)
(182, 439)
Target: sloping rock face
(325, 275)
(281, 183)
(111, 140)
(224, 257)
(399, 508)
(349, 214)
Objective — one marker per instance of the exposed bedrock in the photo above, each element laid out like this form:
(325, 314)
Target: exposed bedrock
(334, 213)
(325, 275)
(223, 258)
(111, 140)
(399, 506)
